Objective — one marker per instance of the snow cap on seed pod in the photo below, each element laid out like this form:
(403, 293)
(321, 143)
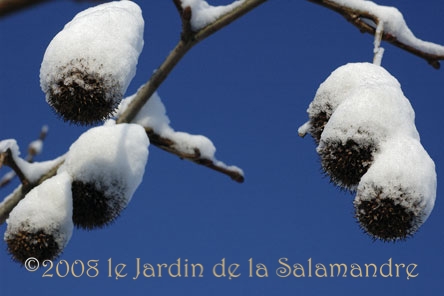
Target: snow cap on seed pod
(359, 125)
(337, 87)
(107, 164)
(88, 65)
(397, 194)
(40, 226)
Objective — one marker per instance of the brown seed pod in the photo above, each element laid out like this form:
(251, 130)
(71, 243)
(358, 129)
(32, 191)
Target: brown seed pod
(388, 217)
(82, 96)
(93, 206)
(345, 163)
(397, 194)
(40, 226)
(318, 122)
(40, 245)
(88, 65)
(106, 164)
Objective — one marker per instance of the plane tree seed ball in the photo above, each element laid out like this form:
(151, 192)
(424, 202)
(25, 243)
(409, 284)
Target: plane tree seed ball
(337, 88)
(40, 226)
(106, 164)
(88, 66)
(397, 194)
(357, 128)
(345, 163)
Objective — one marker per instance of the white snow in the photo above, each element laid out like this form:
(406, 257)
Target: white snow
(153, 116)
(342, 82)
(32, 171)
(202, 13)
(382, 111)
(9, 144)
(106, 40)
(47, 207)
(402, 163)
(394, 24)
(112, 156)
(36, 146)
(366, 102)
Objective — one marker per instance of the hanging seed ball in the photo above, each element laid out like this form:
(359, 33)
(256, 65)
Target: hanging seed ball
(397, 194)
(40, 245)
(82, 96)
(88, 66)
(94, 206)
(345, 163)
(318, 122)
(337, 88)
(40, 226)
(357, 128)
(106, 164)
(388, 218)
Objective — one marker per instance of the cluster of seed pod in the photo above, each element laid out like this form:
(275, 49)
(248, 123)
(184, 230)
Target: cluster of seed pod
(85, 71)
(367, 141)
(101, 172)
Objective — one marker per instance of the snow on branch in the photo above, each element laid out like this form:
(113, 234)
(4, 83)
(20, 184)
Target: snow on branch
(30, 174)
(196, 148)
(191, 35)
(34, 149)
(366, 15)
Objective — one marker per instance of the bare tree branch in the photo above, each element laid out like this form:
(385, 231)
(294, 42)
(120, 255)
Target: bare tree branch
(10, 6)
(187, 41)
(189, 38)
(357, 18)
(170, 146)
(8, 204)
(8, 159)
(33, 151)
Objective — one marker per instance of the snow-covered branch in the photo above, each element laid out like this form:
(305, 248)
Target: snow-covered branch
(196, 148)
(198, 23)
(190, 37)
(34, 149)
(48, 170)
(366, 15)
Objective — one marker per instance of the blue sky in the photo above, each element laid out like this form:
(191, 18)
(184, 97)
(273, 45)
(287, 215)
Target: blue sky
(247, 88)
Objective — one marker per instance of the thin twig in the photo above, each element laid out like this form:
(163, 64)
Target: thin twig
(8, 160)
(356, 17)
(7, 205)
(168, 145)
(32, 153)
(188, 39)
(186, 42)
(145, 92)
(10, 6)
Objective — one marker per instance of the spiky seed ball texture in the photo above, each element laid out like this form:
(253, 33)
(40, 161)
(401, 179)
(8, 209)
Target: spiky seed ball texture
(88, 66)
(357, 128)
(40, 225)
(388, 218)
(397, 194)
(94, 206)
(345, 163)
(39, 244)
(82, 96)
(106, 164)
